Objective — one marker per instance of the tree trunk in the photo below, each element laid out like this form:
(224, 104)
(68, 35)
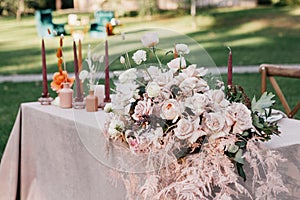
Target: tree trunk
(58, 4)
(193, 8)
(20, 9)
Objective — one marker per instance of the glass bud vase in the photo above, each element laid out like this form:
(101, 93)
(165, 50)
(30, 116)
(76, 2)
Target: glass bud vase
(91, 102)
(65, 96)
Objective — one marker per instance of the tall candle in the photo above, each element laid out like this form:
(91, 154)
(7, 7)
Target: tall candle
(76, 71)
(229, 74)
(107, 86)
(79, 55)
(44, 71)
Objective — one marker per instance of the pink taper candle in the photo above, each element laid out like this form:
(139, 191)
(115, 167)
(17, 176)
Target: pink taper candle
(76, 71)
(44, 71)
(79, 55)
(107, 86)
(229, 75)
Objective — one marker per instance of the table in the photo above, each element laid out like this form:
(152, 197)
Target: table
(55, 153)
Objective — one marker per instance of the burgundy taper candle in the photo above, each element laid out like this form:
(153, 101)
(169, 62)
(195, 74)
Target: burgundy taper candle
(107, 86)
(229, 73)
(76, 71)
(44, 71)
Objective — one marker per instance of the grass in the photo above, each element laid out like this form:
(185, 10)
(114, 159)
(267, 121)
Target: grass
(256, 36)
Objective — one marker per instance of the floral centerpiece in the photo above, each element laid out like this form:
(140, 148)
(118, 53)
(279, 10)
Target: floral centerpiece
(208, 134)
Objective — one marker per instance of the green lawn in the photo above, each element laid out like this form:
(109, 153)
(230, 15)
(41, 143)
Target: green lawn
(256, 36)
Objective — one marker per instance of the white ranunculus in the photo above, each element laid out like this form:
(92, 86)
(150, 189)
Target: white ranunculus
(171, 110)
(83, 75)
(116, 127)
(176, 64)
(238, 116)
(150, 39)
(122, 60)
(139, 56)
(108, 108)
(182, 49)
(153, 89)
(128, 75)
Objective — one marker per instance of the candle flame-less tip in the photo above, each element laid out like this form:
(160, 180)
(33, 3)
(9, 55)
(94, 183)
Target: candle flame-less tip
(229, 48)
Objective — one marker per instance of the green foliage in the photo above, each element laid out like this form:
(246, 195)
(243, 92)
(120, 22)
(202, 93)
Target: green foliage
(279, 3)
(265, 101)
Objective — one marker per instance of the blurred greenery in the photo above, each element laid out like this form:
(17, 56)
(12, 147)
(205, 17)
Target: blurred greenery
(257, 35)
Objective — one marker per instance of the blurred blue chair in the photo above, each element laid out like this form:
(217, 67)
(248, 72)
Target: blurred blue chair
(102, 18)
(43, 19)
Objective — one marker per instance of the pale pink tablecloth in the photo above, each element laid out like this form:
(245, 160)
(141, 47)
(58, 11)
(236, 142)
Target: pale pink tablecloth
(45, 158)
(57, 154)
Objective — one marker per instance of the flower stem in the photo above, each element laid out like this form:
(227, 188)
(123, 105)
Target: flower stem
(148, 72)
(153, 50)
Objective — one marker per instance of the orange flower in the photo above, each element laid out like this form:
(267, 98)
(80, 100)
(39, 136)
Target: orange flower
(59, 78)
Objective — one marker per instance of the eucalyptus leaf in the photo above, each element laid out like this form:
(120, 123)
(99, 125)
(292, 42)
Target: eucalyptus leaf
(238, 157)
(233, 148)
(245, 134)
(265, 101)
(241, 171)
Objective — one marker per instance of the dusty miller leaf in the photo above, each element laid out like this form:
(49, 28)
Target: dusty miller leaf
(265, 101)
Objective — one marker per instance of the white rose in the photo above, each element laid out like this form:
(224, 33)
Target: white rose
(152, 89)
(176, 64)
(197, 103)
(214, 124)
(139, 56)
(122, 60)
(184, 129)
(238, 116)
(182, 49)
(171, 110)
(150, 39)
(193, 84)
(218, 99)
(128, 75)
(193, 71)
(141, 109)
(83, 74)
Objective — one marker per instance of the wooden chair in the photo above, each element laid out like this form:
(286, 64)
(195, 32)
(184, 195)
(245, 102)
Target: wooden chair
(269, 70)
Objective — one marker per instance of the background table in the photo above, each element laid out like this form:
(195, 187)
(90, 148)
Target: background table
(55, 153)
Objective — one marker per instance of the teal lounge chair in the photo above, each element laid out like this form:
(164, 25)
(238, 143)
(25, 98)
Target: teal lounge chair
(98, 29)
(43, 19)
